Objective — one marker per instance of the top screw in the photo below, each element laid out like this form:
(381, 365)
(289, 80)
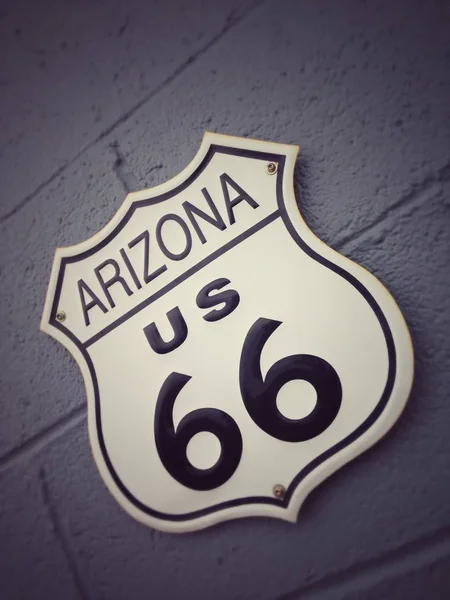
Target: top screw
(61, 316)
(271, 168)
(279, 491)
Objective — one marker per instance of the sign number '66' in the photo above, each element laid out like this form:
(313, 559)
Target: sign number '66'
(259, 396)
(232, 360)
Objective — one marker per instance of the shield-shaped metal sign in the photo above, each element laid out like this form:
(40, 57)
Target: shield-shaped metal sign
(232, 360)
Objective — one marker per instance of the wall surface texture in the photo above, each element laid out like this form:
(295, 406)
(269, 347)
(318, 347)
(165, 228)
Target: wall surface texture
(98, 98)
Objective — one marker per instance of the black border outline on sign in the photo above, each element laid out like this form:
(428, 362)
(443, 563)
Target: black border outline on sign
(267, 157)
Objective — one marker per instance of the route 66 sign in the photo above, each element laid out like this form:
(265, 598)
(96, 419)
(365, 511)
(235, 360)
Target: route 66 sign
(232, 360)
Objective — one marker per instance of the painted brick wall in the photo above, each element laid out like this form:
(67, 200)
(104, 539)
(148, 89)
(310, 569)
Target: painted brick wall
(101, 97)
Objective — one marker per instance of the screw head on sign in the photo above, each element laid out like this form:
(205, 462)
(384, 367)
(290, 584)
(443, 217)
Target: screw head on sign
(60, 316)
(272, 168)
(279, 491)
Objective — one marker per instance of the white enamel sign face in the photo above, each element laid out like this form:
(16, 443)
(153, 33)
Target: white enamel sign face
(232, 360)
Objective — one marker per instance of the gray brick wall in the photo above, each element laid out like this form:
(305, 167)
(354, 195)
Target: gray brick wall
(97, 98)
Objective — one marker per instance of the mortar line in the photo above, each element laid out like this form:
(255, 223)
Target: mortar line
(43, 438)
(407, 557)
(131, 111)
(123, 171)
(59, 533)
(18, 207)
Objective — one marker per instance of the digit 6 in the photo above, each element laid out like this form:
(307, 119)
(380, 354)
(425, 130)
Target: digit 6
(260, 395)
(171, 445)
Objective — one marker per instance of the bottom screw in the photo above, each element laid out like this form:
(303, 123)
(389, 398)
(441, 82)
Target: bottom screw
(60, 316)
(271, 168)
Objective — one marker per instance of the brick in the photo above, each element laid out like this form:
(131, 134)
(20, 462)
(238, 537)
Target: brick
(429, 581)
(73, 69)
(32, 561)
(413, 573)
(40, 382)
(357, 85)
(413, 581)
